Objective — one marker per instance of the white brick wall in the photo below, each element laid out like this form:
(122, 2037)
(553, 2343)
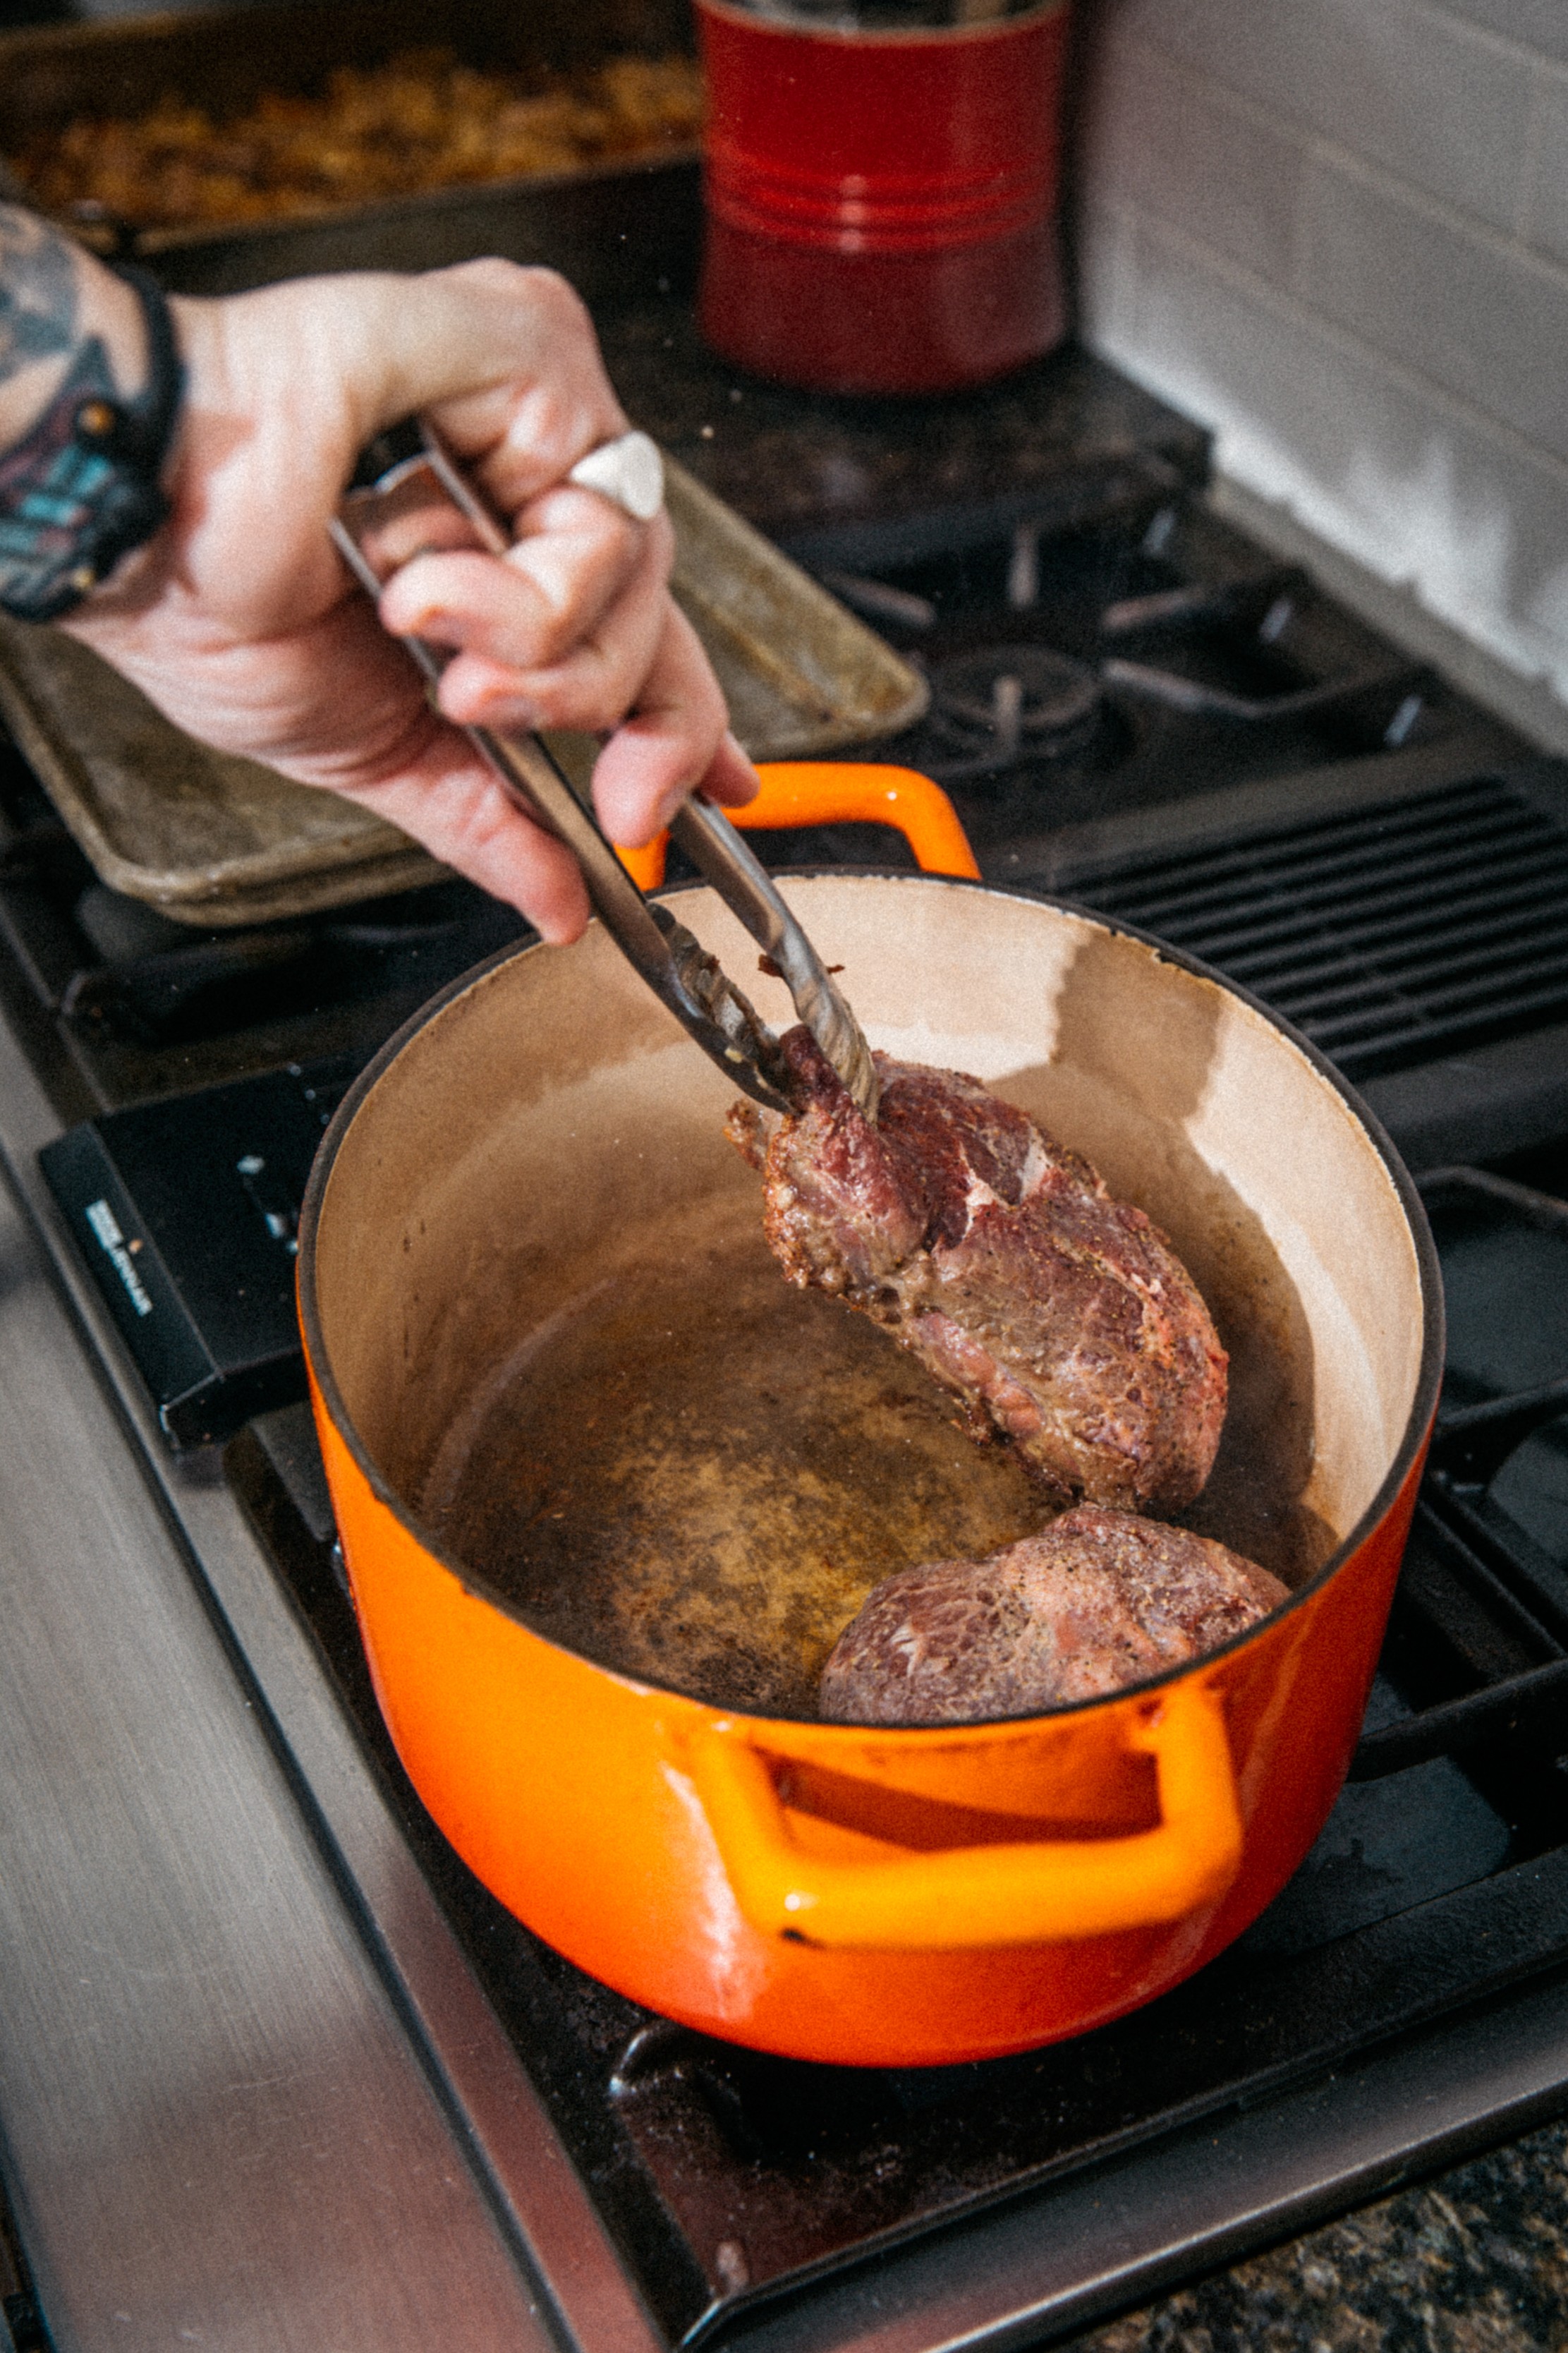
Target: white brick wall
(1337, 230)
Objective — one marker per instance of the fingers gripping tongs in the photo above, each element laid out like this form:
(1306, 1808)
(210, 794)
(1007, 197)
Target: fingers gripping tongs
(426, 504)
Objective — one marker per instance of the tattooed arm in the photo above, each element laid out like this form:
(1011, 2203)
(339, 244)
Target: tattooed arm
(40, 310)
(239, 622)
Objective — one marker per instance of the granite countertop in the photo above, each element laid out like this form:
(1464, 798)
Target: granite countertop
(1474, 2261)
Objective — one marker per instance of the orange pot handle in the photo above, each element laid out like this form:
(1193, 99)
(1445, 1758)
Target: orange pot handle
(840, 792)
(972, 1897)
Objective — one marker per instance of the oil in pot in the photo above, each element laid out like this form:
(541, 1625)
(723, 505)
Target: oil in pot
(695, 1474)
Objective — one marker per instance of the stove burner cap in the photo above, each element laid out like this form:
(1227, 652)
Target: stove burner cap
(1018, 698)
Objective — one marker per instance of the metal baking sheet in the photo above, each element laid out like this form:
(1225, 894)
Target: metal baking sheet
(211, 839)
(802, 676)
(214, 841)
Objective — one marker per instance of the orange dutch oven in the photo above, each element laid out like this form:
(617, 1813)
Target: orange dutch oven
(879, 1897)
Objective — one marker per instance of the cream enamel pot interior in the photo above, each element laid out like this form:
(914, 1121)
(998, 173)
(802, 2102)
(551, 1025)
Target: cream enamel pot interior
(891, 1898)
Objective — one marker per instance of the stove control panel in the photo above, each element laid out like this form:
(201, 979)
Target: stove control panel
(185, 1213)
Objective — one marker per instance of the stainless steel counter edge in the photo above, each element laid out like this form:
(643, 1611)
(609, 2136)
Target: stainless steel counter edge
(482, 2106)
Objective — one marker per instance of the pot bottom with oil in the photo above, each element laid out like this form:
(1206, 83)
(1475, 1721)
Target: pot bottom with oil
(696, 1473)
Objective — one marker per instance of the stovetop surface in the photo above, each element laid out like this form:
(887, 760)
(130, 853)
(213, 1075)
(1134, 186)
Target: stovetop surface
(1134, 706)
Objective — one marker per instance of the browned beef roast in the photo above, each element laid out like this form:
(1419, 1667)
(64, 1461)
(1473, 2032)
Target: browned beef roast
(1061, 1317)
(1099, 1600)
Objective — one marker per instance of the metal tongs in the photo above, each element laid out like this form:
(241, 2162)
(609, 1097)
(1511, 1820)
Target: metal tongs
(425, 502)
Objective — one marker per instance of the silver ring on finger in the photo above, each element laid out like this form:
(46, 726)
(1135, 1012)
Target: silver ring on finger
(628, 471)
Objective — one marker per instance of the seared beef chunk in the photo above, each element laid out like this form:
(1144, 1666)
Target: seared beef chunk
(1061, 1317)
(1099, 1600)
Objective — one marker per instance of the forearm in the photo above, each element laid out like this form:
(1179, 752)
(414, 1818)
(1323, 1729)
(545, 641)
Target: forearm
(62, 316)
(89, 389)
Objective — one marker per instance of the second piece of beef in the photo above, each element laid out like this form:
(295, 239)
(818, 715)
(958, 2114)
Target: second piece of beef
(1061, 1317)
(1100, 1599)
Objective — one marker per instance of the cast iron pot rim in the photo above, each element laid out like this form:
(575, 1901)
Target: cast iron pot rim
(1423, 1407)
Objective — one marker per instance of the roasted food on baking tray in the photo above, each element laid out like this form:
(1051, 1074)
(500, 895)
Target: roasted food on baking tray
(1060, 1317)
(423, 121)
(1100, 1599)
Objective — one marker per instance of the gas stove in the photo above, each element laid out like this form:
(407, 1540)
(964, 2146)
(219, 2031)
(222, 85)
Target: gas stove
(309, 2061)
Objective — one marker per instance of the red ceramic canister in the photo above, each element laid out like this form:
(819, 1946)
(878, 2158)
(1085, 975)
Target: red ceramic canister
(882, 203)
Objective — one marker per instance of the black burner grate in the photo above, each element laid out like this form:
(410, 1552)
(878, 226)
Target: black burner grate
(1390, 933)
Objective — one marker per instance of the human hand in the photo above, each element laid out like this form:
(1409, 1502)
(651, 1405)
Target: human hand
(241, 623)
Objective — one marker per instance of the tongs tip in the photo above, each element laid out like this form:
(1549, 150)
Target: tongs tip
(377, 528)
